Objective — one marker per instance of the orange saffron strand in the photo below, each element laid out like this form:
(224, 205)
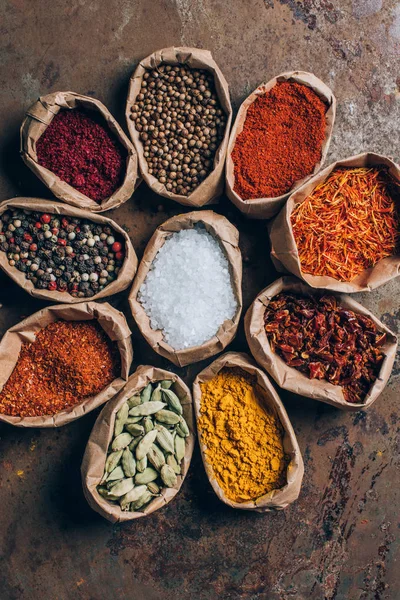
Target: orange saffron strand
(348, 223)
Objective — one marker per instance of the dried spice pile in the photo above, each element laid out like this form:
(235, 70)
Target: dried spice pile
(68, 362)
(281, 141)
(325, 341)
(349, 223)
(60, 253)
(181, 125)
(82, 151)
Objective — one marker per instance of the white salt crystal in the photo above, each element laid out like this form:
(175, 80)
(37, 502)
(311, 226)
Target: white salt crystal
(188, 292)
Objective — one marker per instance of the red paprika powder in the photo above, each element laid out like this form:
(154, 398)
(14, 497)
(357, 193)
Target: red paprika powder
(81, 151)
(281, 141)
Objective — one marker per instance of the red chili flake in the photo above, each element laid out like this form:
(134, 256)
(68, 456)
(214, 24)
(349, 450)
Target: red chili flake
(326, 341)
(82, 151)
(68, 362)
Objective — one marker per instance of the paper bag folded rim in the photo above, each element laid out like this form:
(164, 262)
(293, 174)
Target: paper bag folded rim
(228, 236)
(289, 378)
(284, 253)
(114, 325)
(125, 275)
(212, 187)
(94, 459)
(40, 115)
(265, 208)
(276, 499)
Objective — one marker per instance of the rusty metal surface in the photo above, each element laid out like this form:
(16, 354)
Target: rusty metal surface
(340, 540)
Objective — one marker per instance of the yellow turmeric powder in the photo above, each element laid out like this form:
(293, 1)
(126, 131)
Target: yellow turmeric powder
(242, 437)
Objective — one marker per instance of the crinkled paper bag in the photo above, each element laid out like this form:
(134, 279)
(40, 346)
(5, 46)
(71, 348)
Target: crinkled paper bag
(125, 275)
(265, 208)
(228, 236)
(112, 322)
(212, 187)
(284, 252)
(295, 381)
(40, 115)
(277, 499)
(94, 459)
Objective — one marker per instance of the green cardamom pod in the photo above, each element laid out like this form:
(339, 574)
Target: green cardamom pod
(172, 401)
(153, 487)
(112, 461)
(111, 484)
(145, 444)
(120, 419)
(166, 384)
(172, 462)
(133, 401)
(123, 487)
(143, 410)
(106, 494)
(121, 441)
(148, 424)
(133, 420)
(168, 476)
(148, 475)
(182, 429)
(132, 496)
(156, 457)
(134, 443)
(135, 429)
(179, 448)
(116, 474)
(128, 463)
(144, 499)
(141, 464)
(165, 439)
(145, 394)
(156, 395)
(167, 416)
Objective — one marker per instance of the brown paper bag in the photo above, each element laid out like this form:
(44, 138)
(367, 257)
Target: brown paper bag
(94, 459)
(283, 246)
(228, 236)
(125, 275)
(265, 208)
(115, 326)
(212, 187)
(277, 499)
(40, 115)
(291, 379)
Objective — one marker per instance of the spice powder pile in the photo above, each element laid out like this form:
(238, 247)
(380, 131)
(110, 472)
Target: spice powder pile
(68, 362)
(243, 438)
(281, 141)
(83, 153)
(348, 223)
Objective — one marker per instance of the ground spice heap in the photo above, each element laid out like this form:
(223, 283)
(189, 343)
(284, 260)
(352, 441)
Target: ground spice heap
(281, 141)
(82, 151)
(181, 125)
(68, 362)
(349, 223)
(243, 439)
(60, 253)
(326, 341)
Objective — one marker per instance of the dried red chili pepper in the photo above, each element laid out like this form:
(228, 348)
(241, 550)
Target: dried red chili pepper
(82, 152)
(68, 362)
(326, 341)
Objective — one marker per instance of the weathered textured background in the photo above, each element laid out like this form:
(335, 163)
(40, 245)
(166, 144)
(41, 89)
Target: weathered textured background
(340, 540)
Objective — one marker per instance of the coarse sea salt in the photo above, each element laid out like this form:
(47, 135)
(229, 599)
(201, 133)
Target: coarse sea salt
(188, 292)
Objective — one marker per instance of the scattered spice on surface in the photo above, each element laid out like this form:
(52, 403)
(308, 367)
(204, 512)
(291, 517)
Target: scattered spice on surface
(83, 152)
(281, 141)
(60, 253)
(348, 223)
(323, 340)
(242, 437)
(68, 362)
(181, 125)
